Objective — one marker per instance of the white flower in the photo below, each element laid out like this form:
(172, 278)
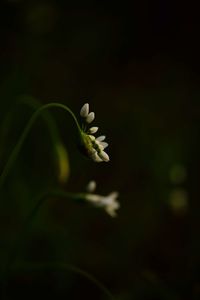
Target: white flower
(109, 203)
(90, 117)
(90, 145)
(84, 113)
(96, 151)
(84, 110)
(104, 156)
(104, 144)
(93, 130)
(91, 186)
(101, 138)
(95, 157)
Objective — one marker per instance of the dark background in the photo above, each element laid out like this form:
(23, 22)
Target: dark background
(138, 67)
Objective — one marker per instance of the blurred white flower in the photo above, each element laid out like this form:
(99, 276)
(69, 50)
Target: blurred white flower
(109, 203)
(91, 186)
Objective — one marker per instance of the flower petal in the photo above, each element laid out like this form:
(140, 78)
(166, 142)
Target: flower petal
(84, 110)
(100, 147)
(103, 155)
(101, 138)
(111, 212)
(96, 157)
(104, 144)
(91, 186)
(92, 137)
(93, 130)
(90, 117)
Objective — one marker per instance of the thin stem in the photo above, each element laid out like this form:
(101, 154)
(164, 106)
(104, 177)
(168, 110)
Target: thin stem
(65, 267)
(24, 134)
(59, 151)
(14, 250)
(53, 130)
(39, 202)
(52, 265)
(60, 154)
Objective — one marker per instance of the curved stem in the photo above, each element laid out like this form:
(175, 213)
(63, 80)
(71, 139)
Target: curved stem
(14, 250)
(35, 104)
(66, 267)
(60, 154)
(19, 144)
(52, 265)
(39, 202)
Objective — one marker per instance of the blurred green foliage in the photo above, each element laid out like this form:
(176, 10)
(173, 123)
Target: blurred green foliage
(138, 68)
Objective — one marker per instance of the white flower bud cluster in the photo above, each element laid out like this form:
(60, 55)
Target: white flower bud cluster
(109, 203)
(94, 146)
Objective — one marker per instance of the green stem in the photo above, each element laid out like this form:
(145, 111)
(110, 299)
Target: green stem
(50, 123)
(60, 155)
(52, 265)
(19, 144)
(65, 267)
(34, 104)
(14, 250)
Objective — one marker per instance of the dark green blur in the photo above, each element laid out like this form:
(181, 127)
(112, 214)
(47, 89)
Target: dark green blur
(138, 68)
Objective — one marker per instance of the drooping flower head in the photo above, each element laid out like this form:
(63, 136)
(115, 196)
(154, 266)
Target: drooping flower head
(91, 146)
